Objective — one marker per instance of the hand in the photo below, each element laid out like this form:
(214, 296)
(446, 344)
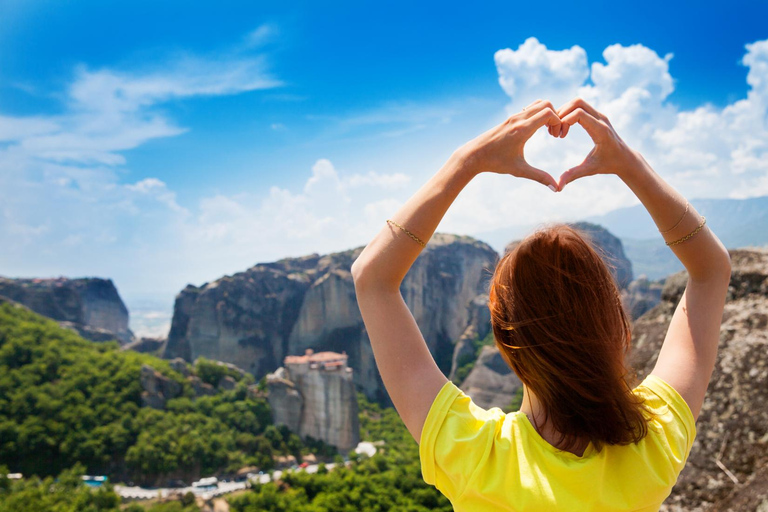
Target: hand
(611, 155)
(500, 149)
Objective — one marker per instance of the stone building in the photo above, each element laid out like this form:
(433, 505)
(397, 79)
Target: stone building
(314, 395)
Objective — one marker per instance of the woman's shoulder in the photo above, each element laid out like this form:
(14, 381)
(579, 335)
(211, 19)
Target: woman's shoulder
(668, 413)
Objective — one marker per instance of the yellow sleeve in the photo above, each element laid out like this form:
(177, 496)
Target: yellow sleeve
(456, 439)
(678, 424)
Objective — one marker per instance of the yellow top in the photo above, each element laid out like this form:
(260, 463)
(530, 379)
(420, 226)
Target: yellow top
(485, 460)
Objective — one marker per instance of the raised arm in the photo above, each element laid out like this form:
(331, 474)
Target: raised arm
(689, 351)
(407, 368)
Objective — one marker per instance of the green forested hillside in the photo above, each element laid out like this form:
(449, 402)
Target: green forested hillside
(65, 400)
(390, 480)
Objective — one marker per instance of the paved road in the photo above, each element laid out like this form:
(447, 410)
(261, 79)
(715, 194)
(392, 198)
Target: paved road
(140, 493)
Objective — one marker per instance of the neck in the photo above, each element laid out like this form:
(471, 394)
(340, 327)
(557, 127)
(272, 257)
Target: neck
(537, 415)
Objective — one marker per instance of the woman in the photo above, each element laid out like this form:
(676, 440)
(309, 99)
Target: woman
(584, 439)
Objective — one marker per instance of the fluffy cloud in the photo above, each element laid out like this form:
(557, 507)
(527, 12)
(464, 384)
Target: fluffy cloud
(532, 72)
(704, 152)
(329, 213)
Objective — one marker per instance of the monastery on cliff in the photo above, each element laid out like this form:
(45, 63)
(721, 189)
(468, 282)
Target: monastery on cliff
(314, 395)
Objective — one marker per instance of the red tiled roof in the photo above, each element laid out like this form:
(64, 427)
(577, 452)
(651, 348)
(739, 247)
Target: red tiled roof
(319, 357)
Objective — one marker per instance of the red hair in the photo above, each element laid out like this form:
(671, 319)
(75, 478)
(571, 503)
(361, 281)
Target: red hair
(559, 323)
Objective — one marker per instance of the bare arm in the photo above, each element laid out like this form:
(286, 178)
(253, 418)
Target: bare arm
(407, 368)
(688, 353)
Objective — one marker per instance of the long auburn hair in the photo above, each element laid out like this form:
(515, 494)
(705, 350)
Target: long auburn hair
(559, 323)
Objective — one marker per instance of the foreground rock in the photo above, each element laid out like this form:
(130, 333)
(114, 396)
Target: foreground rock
(733, 425)
(255, 318)
(90, 306)
(314, 396)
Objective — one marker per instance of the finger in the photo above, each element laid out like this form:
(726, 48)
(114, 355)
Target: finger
(552, 132)
(532, 173)
(582, 104)
(564, 127)
(525, 113)
(586, 168)
(536, 107)
(544, 117)
(532, 104)
(593, 127)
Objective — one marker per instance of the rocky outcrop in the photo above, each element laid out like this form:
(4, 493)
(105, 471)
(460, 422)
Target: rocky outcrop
(478, 327)
(255, 318)
(285, 400)
(90, 306)
(641, 295)
(491, 383)
(314, 396)
(180, 366)
(157, 388)
(200, 388)
(145, 345)
(732, 430)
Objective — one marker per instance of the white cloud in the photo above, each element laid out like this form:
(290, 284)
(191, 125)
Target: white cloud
(324, 216)
(261, 35)
(704, 152)
(533, 72)
(65, 205)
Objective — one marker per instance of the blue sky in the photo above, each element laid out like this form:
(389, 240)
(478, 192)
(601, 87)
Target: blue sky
(161, 143)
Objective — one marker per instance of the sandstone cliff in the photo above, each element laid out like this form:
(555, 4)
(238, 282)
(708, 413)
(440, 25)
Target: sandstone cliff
(732, 430)
(255, 318)
(91, 306)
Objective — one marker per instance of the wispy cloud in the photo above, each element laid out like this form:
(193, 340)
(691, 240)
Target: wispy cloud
(62, 180)
(261, 35)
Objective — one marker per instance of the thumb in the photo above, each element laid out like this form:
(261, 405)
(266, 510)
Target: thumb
(586, 168)
(532, 173)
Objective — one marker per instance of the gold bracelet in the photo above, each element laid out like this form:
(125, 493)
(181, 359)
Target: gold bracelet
(689, 235)
(687, 204)
(407, 232)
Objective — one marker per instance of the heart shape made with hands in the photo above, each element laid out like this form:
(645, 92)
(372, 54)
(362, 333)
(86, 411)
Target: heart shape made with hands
(541, 113)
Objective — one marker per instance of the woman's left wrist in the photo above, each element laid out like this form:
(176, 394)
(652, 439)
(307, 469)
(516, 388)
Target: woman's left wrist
(465, 162)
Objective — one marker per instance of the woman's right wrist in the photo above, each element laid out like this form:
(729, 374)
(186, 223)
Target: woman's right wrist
(634, 168)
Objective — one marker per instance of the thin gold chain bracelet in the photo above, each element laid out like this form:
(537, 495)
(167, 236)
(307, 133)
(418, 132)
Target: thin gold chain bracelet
(687, 205)
(689, 235)
(417, 239)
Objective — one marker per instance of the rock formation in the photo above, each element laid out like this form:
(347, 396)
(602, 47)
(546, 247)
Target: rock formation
(491, 383)
(314, 395)
(255, 318)
(157, 388)
(146, 345)
(641, 295)
(90, 306)
(732, 430)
